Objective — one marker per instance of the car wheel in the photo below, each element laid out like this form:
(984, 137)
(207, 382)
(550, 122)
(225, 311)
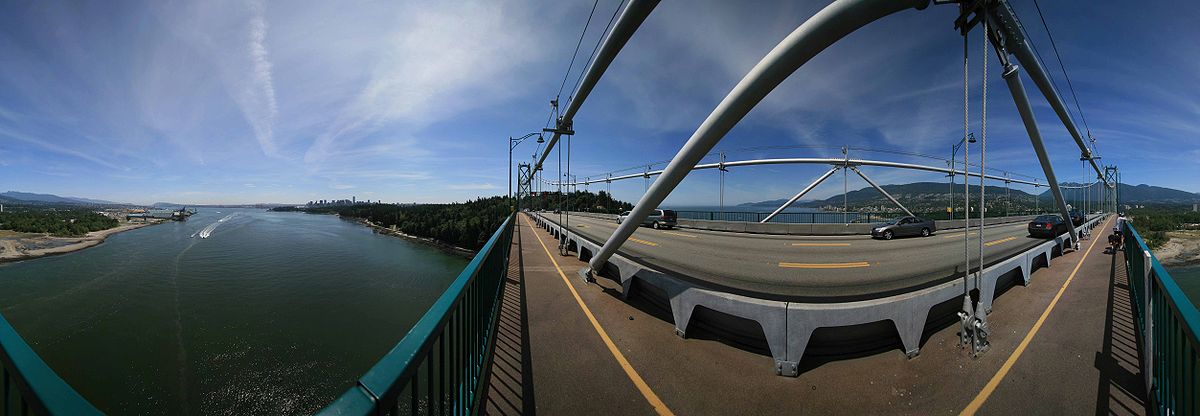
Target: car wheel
(887, 235)
(924, 232)
(654, 225)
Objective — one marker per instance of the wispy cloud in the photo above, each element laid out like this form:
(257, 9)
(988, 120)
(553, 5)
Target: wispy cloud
(472, 186)
(257, 98)
(439, 61)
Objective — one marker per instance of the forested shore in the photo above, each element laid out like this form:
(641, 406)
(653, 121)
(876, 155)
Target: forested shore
(462, 224)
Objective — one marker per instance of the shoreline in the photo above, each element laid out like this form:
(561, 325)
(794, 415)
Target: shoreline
(1181, 250)
(447, 248)
(12, 252)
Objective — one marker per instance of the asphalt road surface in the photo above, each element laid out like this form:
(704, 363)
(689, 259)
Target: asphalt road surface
(809, 268)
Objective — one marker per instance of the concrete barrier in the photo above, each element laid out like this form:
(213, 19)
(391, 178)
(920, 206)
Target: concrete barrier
(824, 229)
(774, 228)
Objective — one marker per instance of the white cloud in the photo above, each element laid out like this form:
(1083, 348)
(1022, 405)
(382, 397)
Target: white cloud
(257, 98)
(439, 62)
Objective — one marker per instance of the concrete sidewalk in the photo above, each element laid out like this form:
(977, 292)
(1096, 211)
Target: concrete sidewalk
(1082, 359)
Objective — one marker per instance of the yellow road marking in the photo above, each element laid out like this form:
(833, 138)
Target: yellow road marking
(821, 244)
(582, 226)
(651, 244)
(956, 235)
(991, 385)
(824, 265)
(681, 234)
(1000, 241)
(655, 402)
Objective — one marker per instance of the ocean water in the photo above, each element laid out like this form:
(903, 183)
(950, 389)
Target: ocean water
(1189, 280)
(273, 313)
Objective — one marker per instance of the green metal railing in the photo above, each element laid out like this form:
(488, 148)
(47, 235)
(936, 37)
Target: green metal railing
(1168, 324)
(29, 385)
(441, 365)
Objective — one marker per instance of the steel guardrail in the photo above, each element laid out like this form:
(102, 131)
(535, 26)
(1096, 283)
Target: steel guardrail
(442, 365)
(1168, 324)
(39, 390)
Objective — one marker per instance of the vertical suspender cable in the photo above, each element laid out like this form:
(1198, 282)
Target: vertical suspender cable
(567, 212)
(982, 152)
(966, 174)
(845, 189)
(561, 244)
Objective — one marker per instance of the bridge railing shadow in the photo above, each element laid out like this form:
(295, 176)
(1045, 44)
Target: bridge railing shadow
(1121, 389)
(510, 388)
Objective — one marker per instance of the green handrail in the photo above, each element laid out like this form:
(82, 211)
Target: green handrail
(1168, 324)
(441, 365)
(38, 389)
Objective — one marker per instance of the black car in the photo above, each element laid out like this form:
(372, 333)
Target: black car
(1077, 217)
(1047, 226)
(904, 226)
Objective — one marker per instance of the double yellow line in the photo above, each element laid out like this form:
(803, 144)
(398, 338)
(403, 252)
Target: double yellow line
(639, 241)
(821, 244)
(824, 265)
(1000, 241)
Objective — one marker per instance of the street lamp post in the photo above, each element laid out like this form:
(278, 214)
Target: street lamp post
(953, 161)
(512, 144)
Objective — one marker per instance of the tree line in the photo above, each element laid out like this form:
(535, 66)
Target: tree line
(72, 223)
(1153, 222)
(583, 201)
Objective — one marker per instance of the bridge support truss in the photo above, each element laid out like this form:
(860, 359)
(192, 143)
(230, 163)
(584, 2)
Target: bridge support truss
(524, 184)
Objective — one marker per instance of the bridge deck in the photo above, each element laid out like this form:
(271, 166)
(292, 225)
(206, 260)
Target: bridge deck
(808, 268)
(553, 358)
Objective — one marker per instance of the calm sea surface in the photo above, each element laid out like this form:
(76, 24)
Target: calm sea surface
(1189, 281)
(273, 313)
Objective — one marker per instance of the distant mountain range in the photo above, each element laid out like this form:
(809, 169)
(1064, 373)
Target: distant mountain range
(939, 191)
(934, 190)
(15, 197)
(1142, 194)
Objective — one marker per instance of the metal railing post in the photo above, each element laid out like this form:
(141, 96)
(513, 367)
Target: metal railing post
(1148, 319)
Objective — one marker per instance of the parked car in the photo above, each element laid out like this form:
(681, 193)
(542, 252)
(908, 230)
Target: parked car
(904, 226)
(659, 218)
(1077, 217)
(1047, 226)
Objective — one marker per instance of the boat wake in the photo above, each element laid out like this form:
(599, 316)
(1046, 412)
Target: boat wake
(207, 231)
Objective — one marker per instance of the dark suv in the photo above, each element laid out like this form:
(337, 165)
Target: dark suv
(1047, 226)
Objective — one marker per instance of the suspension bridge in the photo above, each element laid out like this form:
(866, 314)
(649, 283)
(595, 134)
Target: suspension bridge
(575, 313)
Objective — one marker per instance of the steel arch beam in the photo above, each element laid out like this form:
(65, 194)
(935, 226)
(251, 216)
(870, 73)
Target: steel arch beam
(801, 194)
(829, 25)
(880, 189)
(629, 21)
(1020, 48)
(811, 161)
(1013, 77)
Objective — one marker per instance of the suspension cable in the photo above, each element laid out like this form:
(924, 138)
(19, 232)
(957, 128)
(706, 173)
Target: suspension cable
(595, 50)
(1064, 69)
(577, 45)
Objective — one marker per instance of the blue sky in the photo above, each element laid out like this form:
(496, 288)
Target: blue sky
(235, 102)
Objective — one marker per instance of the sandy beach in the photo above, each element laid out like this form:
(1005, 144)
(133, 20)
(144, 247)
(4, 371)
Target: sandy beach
(1183, 249)
(24, 246)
